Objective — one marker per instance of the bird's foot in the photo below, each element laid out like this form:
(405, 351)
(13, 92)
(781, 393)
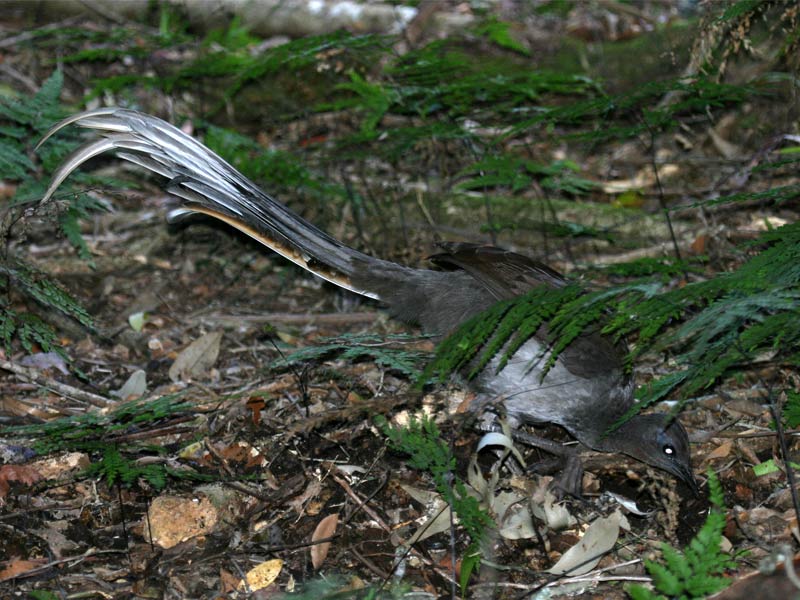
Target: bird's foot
(567, 463)
(569, 482)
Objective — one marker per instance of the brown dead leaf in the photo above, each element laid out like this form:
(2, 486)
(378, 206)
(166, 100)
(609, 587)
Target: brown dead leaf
(197, 358)
(721, 451)
(173, 520)
(744, 493)
(699, 244)
(325, 529)
(16, 567)
(228, 580)
(241, 455)
(22, 473)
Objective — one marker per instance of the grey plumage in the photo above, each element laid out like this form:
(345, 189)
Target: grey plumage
(585, 392)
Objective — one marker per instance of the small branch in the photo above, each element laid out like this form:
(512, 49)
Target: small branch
(660, 196)
(36, 377)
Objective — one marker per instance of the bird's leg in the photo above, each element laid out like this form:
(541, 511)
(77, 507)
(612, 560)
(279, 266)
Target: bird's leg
(569, 482)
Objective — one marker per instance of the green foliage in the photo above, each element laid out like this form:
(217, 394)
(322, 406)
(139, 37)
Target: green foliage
(664, 268)
(712, 326)
(499, 32)
(741, 8)
(24, 121)
(382, 350)
(95, 434)
(441, 78)
(516, 174)
(695, 572)
(512, 322)
(421, 440)
(28, 328)
(37, 112)
(47, 292)
(277, 169)
(372, 99)
(791, 410)
(775, 195)
(42, 595)
(115, 468)
(624, 116)
(239, 67)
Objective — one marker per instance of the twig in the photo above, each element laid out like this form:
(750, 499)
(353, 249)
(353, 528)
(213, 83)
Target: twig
(34, 376)
(362, 505)
(775, 409)
(294, 319)
(660, 196)
(76, 559)
(15, 40)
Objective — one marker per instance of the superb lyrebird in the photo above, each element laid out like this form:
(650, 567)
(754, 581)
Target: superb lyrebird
(586, 391)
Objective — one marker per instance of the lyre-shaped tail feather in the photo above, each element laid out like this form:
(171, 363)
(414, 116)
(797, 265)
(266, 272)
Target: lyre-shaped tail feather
(207, 184)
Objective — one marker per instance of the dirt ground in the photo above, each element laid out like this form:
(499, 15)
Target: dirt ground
(264, 460)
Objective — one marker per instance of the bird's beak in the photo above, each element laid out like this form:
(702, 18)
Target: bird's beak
(684, 472)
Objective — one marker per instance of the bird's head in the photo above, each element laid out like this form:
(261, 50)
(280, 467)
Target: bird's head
(658, 440)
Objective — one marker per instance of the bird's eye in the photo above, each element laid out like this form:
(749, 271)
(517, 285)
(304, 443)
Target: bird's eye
(669, 449)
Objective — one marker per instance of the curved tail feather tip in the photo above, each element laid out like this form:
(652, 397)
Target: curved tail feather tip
(207, 184)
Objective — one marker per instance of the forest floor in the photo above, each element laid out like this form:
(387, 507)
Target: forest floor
(261, 454)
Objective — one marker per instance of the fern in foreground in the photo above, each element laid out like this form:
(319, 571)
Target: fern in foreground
(712, 327)
(421, 440)
(697, 571)
(94, 433)
(22, 122)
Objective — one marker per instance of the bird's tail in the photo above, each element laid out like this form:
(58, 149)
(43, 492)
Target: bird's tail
(209, 185)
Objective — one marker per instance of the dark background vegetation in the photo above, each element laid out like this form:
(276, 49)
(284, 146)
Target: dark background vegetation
(647, 149)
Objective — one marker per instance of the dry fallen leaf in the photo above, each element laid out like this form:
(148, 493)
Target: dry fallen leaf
(16, 567)
(584, 556)
(174, 519)
(25, 474)
(134, 387)
(197, 358)
(325, 529)
(262, 575)
(721, 451)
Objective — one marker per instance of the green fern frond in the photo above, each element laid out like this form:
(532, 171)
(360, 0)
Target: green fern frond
(48, 292)
(791, 410)
(39, 111)
(382, 350)
(421, 440)
(697, 571)
(777, 195)
(499, 32)
(90, 433)
(712, 326)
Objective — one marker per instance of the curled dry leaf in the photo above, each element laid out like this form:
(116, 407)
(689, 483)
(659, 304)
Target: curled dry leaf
(325, 529)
